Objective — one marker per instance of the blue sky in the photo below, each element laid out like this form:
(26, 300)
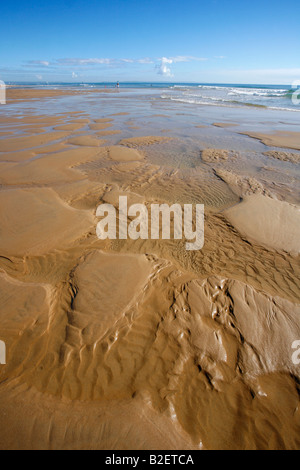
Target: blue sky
(226, 41)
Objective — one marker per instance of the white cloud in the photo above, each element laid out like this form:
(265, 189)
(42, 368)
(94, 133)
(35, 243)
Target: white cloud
(75, 61)
(186, 58)
(145, 60)
(163, 68)
(44, 63)
(162, 64)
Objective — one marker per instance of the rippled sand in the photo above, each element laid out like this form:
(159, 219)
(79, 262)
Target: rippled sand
(141, 344)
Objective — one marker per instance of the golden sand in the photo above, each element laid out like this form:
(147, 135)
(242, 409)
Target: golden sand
(284, 156)
(127, 344)
(52, 222)
(143, 141)
(214, 155)
(120, 114)
(21, 143)
(103, 133)
(224, 124)
(69, 127)
(268, 222)
(121, 154)
(284, 139)
(86, 140)
(20, 95)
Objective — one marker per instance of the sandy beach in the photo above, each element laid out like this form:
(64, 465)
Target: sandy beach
(141, 344)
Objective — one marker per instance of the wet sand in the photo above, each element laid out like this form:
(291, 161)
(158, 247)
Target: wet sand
(29, 94)
(290, 140)
(140, 344)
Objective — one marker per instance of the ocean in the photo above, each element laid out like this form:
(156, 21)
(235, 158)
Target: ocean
(278, 97)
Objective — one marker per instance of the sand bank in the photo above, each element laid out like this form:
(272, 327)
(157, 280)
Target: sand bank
(122, 154)
(284, 156)
(284, 139)
(143, 141)
(86, 140)
(139, 344)
(214, 155)
(15, 94)
(269, 222)
(224, 124)
(35, 221)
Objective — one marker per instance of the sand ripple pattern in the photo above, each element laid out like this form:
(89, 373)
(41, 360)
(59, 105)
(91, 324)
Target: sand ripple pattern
(122, 344)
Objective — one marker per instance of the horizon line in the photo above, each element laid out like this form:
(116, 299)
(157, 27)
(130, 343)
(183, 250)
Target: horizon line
(140, 82)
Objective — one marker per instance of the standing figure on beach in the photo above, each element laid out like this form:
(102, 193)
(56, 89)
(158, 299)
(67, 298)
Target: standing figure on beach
(117, 85)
